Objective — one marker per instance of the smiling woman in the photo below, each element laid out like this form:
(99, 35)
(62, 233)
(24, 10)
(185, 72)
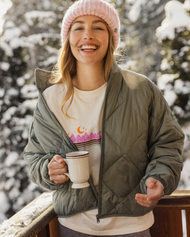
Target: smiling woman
(119, 117)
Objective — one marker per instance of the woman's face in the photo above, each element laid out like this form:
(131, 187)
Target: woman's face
(89, 40)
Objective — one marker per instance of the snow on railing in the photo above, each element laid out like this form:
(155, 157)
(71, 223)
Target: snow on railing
(22, 223)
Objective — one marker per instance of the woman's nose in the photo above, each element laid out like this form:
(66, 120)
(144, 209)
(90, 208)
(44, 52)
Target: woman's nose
(88, 34)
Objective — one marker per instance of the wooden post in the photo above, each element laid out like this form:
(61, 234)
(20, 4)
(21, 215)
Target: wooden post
(54, 227)
(168, 223)
(188, 222)
(44, 232)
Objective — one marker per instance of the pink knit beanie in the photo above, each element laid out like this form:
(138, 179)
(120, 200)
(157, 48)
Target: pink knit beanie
(98, 8)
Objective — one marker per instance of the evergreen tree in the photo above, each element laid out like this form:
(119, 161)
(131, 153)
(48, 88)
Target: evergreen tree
(30, 39)
(174, 80)
(139, 21)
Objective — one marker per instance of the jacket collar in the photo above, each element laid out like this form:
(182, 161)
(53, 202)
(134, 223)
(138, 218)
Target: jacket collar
(114, 82)
(113, 97)
(42, 79)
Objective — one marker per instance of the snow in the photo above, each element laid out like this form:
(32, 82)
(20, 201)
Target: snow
(25, 134)
(49, 61)
(9, 184)
(8, 114)
(164, 65)
(4, 6)
(185, 66)
(164, 79)
(4, 66)
(178, 110)
(6, 132)
(187, 5)
(11, 158)
(40, 15)
(7, 230)
(170, 97)
(8, 50)
(9, 24)
(27, 215)
(29, 91)
(18, 42)
(185, 176)
(5, 207)
(174, 11)
(2, 92)
(11, 173)
(12, 33)
(14, 193)
(183, 50)
(186, 130)
(181, 87)
(30, 104)
(12, 92)
(39, 38)
(135, 11)
(20, 81)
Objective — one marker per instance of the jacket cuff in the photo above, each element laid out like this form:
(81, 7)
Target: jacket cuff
(143, 182)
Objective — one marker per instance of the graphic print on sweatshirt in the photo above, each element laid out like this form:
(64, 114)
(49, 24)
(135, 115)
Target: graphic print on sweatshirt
(85, 141)
(91, 142)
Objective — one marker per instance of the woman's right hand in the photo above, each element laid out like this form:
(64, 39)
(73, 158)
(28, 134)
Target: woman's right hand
(57, 167)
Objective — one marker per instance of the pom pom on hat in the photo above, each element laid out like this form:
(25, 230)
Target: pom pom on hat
(98, 8)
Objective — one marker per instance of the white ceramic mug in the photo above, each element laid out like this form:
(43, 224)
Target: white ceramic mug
(78, 168)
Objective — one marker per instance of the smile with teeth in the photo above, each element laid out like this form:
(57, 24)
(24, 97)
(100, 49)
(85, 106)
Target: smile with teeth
(89, 47)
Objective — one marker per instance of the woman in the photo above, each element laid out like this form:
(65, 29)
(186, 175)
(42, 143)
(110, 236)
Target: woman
(119, 116)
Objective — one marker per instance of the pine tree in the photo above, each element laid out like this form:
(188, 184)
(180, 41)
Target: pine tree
(139, 23)
(30, 39)
(174, 78)
(176, 59)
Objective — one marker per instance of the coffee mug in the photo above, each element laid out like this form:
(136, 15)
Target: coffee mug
(78, 168)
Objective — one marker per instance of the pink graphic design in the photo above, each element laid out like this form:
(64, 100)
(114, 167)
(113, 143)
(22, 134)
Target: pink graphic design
(85, 137)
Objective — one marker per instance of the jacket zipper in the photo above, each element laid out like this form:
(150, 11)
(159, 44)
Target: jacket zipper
(101, 159)
(97, 218)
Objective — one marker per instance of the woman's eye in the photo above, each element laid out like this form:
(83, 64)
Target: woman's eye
(98, 28)
(79, 28)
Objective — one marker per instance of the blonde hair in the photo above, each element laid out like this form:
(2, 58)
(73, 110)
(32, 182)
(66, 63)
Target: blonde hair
(66, 69)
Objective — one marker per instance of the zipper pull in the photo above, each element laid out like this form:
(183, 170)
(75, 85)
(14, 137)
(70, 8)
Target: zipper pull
(98, 219)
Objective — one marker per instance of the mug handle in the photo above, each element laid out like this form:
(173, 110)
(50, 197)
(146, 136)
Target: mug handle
(67, 174)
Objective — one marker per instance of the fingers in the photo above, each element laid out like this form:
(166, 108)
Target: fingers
(155, 190)
(143, 200)
(56, 169)
(58, 159)
(59, 179)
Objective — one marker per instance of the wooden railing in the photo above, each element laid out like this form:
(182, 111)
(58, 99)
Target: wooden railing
(169, 220)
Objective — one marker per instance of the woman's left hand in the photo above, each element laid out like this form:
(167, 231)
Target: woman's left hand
(155, 190)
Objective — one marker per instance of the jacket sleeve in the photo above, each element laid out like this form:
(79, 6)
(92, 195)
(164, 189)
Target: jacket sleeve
(165, 145)
(38, 161)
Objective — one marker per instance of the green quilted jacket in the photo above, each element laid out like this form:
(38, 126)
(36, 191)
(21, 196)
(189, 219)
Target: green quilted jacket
(140, 138)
